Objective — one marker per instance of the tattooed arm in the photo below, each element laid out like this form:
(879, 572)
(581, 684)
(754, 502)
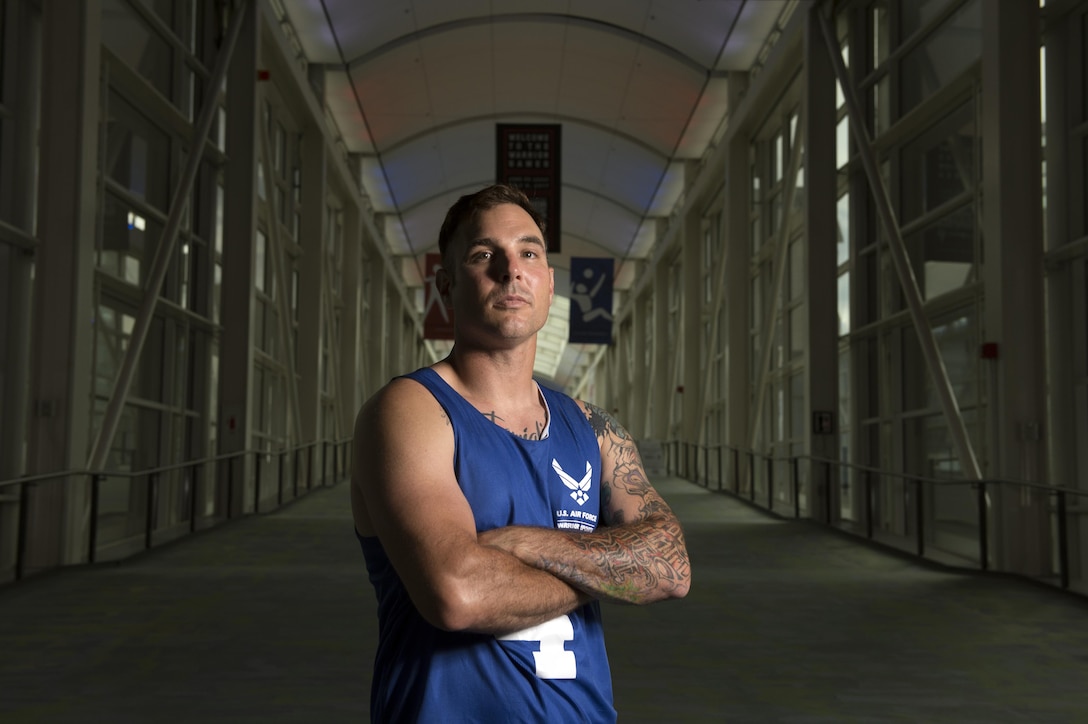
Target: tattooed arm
(638, 556)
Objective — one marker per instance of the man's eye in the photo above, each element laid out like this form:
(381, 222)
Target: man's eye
(481, 256)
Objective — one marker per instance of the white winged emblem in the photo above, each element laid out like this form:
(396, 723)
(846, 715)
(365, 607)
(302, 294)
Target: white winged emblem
(579, 488)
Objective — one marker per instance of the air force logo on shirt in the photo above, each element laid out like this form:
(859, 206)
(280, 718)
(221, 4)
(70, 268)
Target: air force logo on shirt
(579, 488)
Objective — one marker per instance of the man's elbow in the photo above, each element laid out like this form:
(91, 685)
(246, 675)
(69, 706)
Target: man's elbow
(453, 608)
(678, 581)
(682, 586)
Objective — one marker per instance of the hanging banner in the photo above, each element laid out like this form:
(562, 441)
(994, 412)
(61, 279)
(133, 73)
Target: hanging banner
(527, 156)
(591, 300)
(437, 317)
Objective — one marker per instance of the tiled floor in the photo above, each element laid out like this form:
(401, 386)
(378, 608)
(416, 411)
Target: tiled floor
(271, 619)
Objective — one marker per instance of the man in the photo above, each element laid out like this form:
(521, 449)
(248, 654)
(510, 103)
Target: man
(494, 514)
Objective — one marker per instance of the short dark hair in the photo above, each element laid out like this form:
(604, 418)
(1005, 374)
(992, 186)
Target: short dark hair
(469, 206)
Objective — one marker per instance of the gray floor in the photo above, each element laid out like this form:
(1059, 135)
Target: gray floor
(271, 619)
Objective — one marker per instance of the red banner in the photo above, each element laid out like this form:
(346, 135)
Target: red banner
(527, 156)
(437, 317)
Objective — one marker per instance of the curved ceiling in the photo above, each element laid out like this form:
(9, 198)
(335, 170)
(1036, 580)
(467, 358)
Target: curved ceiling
(639, 86)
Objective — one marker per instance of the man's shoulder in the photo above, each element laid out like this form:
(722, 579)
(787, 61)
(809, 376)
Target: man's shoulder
(403, 395)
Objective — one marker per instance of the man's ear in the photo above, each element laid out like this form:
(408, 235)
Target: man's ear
(443, 282)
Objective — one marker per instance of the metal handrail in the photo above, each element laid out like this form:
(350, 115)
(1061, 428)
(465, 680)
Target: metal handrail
(340, 465)
(679, 455)
(76, 472)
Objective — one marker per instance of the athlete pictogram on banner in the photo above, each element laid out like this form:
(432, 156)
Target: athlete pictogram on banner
(437, 317)
(591, 300)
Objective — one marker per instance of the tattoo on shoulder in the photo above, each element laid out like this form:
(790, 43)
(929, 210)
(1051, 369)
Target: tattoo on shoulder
(604, 424)
(627, 475)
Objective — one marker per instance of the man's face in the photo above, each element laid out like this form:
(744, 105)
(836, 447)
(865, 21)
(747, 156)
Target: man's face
(499, 282)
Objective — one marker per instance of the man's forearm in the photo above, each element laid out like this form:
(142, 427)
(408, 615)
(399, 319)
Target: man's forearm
(498, 593)
(639, 562)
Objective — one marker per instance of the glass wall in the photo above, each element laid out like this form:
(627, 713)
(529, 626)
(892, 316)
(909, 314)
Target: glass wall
(916, 69)
(777, 282)
(151, 55)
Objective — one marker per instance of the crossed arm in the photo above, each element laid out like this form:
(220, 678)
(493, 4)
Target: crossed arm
(638, 556)
(509, 578)
(404, 492)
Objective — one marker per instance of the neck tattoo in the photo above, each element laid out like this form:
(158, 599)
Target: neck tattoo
(526, 433)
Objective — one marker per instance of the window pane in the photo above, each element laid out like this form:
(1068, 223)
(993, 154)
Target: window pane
(842, 142)
(777, 158)
(882, 105)
(842, 246)
(797, 269)
(917, 13)
(844, 392)
(797, 406)
(879, 28)
(129, 240)
(137, 45)
(137, 153)
(797, 331)
(943, 254)
(844, 303)
(940, 164)
(219, 211)
(957, 340)
(945, 54)
(260, 262)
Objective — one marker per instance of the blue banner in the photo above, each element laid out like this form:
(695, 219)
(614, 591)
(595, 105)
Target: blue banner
(591, 300)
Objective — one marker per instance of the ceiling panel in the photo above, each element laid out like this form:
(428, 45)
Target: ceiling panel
(417, 86)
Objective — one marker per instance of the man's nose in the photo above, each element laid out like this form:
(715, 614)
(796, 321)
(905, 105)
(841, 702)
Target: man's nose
(507, 266)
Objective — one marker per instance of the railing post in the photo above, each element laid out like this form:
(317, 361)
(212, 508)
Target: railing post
(737, 471)
(20, 539)
(230, 487)
(983, 533)
(152, 484)
(198, 472)
(294, 483)
(324, 462)
(751, 475)
(721, 467)
(1063, 541)
(257, 477)
(310, 465)
(868, 505)
(795, 481)
(279, 478)
(92, 533)
(827, 492)
(920, 517)
(706, 464)
(770, 483)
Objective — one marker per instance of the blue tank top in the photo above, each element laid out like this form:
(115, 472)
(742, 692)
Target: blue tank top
(555, 672)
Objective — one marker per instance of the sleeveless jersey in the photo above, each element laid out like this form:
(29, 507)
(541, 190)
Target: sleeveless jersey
(554, 672)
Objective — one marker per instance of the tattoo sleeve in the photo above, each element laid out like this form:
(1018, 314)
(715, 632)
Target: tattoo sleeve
(639, 555)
